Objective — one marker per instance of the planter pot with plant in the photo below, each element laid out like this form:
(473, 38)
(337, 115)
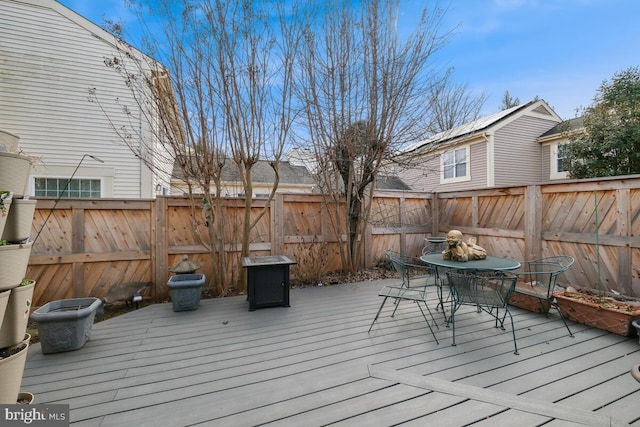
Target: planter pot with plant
(16, 316)
(19, 220)
(14, 259)
(25, 398)
(14, 173)
(4, 300)
(600, 312)
(5, 205)
(12, 361)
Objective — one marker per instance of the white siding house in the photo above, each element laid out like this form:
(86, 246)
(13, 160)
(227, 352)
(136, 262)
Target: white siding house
(497, 150)
(50, 59)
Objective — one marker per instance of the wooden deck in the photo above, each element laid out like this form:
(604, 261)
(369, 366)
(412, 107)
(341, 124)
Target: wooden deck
(314, 364)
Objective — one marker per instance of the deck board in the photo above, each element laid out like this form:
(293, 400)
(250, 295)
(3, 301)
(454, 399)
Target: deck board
(315, 364)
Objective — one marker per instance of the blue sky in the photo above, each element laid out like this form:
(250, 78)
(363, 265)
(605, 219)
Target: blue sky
(559, 50)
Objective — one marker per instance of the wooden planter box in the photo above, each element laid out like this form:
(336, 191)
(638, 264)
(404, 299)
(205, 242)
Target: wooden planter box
(529, 303)
(578, 308)
(523, 297)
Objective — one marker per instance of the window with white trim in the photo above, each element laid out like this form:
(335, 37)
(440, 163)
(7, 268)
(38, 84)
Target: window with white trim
(559, 166)
(561, 157)
(77, 187)
(455, 165)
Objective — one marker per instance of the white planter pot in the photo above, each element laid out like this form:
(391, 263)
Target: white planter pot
(14, 173)
(4, 300)
(19, 220)
(11, 370)
(4, 215)
(14, 260)
(16, 316)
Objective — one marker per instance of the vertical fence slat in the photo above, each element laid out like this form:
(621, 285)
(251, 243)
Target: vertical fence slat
(159, 247)
(532, 223)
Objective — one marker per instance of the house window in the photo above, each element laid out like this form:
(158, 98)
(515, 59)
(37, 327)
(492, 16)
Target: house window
(559, 162)
(78, 187)
(561, 157)
(455, 165)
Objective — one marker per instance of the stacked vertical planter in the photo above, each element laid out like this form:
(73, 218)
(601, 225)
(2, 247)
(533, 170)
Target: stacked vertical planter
(16, 292)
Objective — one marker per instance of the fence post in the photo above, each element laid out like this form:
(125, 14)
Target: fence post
(533, 222)
(159, 249)
(623, 230)
(77, 247)
(277, 224)
(435, 214)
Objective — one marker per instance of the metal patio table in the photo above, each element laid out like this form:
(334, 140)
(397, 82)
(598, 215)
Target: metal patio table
(441, 266)
(490, 263)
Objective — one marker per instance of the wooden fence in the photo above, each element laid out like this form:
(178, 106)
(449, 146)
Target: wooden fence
(87, 246)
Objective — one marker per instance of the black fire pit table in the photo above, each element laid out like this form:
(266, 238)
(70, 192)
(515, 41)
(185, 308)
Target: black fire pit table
(267, 280)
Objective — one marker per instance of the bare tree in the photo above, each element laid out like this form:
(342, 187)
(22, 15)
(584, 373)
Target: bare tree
(508, 101)
(452, 104)
(230, 67)
(365, 89)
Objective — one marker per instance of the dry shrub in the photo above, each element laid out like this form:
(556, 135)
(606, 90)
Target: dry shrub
(312, 259)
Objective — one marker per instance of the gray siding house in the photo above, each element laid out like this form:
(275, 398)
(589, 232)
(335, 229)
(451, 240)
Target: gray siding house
(498, 150)
(50, 57)
(552, 142)
(293, 179)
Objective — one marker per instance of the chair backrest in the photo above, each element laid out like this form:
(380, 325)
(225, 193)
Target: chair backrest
(407, 259)
(398, 261)
(487, 290)
(406, 265)
(544, 272)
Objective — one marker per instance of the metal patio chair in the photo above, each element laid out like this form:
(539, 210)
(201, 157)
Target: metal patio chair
(439, 276)
(538, 279)
(407, 291)
(488, 292)
(412, 271)
(416, 273)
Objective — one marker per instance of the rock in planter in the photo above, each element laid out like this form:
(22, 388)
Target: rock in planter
(185, 290)
(65, 325)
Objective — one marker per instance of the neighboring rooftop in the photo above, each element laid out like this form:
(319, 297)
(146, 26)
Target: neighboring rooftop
(565, 126)
(469, 128)
(262, 172)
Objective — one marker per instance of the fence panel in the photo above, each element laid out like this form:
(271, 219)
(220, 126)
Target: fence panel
(87, 246)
